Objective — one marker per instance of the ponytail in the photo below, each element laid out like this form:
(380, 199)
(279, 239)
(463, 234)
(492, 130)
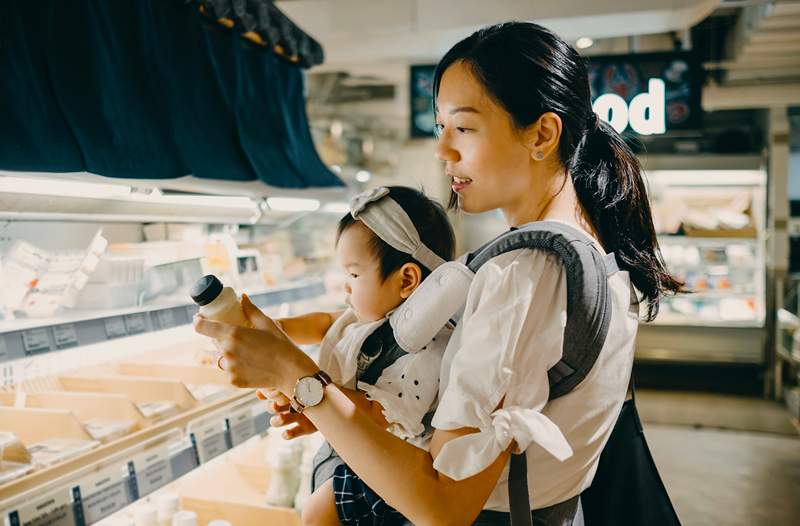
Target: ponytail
(608, 181)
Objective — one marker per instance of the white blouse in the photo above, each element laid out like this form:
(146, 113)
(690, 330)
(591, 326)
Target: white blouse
(510, 335)
(407, 390)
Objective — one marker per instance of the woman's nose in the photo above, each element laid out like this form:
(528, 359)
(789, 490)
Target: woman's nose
(444, 152)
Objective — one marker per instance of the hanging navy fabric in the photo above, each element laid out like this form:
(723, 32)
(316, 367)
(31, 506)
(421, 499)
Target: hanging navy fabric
(150, 90)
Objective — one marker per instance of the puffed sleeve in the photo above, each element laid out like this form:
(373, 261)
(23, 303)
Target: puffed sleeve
(511, 333)
(407, 390)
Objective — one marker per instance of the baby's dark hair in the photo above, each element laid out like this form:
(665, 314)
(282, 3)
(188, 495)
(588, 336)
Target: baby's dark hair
(429, 219)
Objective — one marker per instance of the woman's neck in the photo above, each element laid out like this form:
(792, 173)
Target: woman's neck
(558, 203)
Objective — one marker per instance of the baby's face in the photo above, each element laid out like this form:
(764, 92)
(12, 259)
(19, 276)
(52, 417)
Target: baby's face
(370, 298)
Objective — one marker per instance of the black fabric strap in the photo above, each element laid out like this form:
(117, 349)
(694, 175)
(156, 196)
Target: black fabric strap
(518, 497)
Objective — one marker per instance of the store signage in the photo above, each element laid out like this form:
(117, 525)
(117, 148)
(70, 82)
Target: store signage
(211, 439)
(153, 470)
(647, 94)
(105, 493)
(644, 114)
(644, 94)
(65, 336)
(52, 509)
(35, 341)
(115, 327)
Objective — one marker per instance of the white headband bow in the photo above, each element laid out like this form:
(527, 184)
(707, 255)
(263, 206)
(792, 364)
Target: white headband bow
(381, 214)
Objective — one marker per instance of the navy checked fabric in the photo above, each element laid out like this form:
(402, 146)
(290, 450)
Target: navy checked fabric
(357, 505)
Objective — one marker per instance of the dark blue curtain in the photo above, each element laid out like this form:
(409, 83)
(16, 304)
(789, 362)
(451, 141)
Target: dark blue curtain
(148, 89)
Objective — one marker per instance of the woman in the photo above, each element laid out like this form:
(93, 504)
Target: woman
(516, 133)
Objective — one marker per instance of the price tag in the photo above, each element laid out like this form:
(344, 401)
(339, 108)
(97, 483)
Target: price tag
(135, 323)
(35, 341)
(105, 493)
(53, 509)
(153, 470)
(115, 327)
(3, 349)
(165, 319)
(210, 439)
(65, 336)
(241, 426)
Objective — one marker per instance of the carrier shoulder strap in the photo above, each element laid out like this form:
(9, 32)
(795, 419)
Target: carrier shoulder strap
(589, 309)
(588, 298)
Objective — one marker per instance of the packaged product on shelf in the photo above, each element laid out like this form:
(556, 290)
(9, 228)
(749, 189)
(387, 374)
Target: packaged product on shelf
(107, 429)
(145, 515)
(56, 450)
(158, 410)
(184, 518)
(167, 505)
(284, 458)
(15, 460)
(206, 393)
(219, 522)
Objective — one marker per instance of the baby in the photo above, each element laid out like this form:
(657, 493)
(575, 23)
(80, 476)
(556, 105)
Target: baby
(374, 245)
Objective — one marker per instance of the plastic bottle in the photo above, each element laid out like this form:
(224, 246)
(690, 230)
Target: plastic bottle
(184, 518)
(167, 505)
(217, 302)
(145, 516)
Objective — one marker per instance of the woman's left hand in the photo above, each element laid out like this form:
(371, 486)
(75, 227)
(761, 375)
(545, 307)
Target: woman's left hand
(259, 357)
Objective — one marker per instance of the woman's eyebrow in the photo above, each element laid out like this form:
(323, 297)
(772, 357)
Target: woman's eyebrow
(463, 109)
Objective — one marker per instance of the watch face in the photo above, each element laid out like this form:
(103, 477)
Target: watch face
(309, 391)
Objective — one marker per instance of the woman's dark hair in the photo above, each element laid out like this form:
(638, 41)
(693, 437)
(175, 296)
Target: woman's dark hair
(430, 220)
(528, 70)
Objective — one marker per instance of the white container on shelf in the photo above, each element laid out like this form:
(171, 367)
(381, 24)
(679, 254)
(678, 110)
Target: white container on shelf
(167, 505)
(184, 518)
(145, 515)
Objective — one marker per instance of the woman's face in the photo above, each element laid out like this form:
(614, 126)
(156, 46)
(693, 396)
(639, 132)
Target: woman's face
(489, 164)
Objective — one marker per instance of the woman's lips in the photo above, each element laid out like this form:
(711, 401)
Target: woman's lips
(460, 183)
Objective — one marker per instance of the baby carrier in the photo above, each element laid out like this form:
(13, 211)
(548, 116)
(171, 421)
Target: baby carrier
(626, 488)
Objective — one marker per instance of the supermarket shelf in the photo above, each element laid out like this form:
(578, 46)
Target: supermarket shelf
(682, 343)
(74, 467)
(39, 336)
(721, 324)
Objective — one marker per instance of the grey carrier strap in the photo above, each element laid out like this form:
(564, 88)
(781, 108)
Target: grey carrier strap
(589, 309)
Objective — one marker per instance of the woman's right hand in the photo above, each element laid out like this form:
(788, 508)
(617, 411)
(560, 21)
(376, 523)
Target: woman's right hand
(283, 415)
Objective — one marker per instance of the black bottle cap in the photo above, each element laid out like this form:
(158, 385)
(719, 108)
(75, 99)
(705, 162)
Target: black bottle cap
(206, 289)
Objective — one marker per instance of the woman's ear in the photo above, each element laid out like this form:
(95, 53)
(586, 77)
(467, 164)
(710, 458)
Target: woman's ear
(543, 136)
(410, 278)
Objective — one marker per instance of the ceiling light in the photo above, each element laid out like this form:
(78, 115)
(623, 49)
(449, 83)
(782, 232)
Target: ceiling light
(60, 187)
(584, 42)
(363, 176)
(292, 204)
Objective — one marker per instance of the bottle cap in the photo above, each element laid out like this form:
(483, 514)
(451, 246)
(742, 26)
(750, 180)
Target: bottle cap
(168, 504)
(184, 518)
(206, 289)
(145, 516)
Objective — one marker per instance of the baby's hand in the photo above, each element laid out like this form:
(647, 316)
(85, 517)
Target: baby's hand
(284, 415)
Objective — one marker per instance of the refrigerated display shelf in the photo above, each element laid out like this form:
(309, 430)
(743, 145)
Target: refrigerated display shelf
(22, 339)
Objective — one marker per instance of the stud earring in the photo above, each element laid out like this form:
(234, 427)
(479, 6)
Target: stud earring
(538, 156)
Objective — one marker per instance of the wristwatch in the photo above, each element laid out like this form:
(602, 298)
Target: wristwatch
(309, 391)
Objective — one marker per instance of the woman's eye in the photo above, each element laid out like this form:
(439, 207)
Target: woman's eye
(353, 275)
(463, 130)
(438, 129)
